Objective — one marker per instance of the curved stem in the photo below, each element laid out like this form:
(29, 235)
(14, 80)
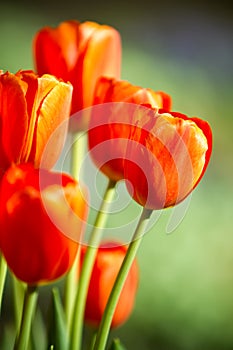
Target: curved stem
(89, 259)
(71, 281)
(104, 328)
(29, 306)
(3, 270)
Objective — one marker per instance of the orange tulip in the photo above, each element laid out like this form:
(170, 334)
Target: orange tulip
(106, 267)
(31, 109)
(111, 121)
(79, 53)
(113, 90)
(167, 156)
(37, 246)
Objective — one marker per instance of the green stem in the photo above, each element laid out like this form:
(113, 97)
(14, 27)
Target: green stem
(18, 297)
(104, 328)
(3, 271)
(71, 285)
(78, 152)
(93, 341)
(71, 281)
(29, 306)
(85, 275)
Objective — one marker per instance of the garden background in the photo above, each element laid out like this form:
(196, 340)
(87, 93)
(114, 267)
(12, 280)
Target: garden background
(185, 297)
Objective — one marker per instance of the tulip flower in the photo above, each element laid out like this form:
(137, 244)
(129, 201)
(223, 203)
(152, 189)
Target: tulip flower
(42, 217)
(115, 102)
(112, 90)
(79, 53)
(31, 109)
(166, 158)
(106, 267)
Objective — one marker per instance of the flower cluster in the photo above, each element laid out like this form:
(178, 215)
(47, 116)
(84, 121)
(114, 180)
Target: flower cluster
(132, 134)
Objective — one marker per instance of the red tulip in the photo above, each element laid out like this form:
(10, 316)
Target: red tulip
(167, 156)
(106, 267)
(31, 109)
(79, 53)
(111, 121)
(42, 216)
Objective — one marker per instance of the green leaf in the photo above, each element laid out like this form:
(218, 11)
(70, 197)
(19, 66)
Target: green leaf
(116, 345)
(57, 331)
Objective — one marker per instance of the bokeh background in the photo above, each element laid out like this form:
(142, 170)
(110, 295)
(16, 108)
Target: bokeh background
(185, 297)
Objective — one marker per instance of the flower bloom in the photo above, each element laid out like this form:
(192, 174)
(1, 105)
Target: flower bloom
(79, 53)
(31, 109)
(37, 247)
(167, 156)
(115, 102)
(106, 267)
(113, 90)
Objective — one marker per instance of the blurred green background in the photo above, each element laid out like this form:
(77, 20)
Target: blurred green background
(185, 297)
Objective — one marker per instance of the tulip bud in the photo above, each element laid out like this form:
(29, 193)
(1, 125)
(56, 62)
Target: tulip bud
(31, 109)
(106, 267)
(83, 52)
(166, 157)
(36, 247)
(113, 90)
(111, 122)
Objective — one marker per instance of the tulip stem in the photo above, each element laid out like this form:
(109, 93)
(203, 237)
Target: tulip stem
(104, 328)
(3, 271)
(71, 282)
(78, 152)
(18, 297)
(30, 300)
(89, 259)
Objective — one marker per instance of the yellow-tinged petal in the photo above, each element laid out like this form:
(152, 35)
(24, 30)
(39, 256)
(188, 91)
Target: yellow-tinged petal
(102, 57)
(67, 208)
(52, 113)
(166, 159)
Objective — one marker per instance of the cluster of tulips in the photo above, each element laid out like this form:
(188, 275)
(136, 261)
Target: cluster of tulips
(132, 135)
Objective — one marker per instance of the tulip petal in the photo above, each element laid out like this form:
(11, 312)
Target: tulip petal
(113, 90)
(206, 129)
(66, 207)
(3, 158)
(52, 109)
(14, 117)
(57, 45)
(101, 56)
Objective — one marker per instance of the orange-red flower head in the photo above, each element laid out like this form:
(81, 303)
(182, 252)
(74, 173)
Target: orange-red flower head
(113, 90)
(162, 154)
(106, 267)
(79, 53)
(42, 216)
(31, 109)
(115, 102)
(167, 156)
